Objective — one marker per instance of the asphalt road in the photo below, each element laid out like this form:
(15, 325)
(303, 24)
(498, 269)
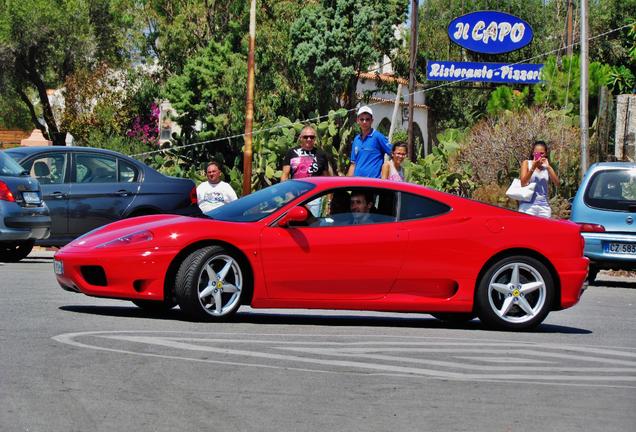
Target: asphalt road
(74, 363)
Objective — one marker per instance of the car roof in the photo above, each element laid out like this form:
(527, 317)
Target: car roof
(367, 182)
(39, 149)
(612, 165)
(346, 181)
(32, 150)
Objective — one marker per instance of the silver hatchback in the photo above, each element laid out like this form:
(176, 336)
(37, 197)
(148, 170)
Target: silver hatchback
(24, 217)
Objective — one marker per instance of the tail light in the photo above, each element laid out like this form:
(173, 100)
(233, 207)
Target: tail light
(590, 227)
(5, 193)
(193, 196)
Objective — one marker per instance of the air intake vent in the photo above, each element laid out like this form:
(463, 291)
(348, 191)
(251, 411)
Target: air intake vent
(94, 275)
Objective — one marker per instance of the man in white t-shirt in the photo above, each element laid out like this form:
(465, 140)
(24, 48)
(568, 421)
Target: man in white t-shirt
(214, 192)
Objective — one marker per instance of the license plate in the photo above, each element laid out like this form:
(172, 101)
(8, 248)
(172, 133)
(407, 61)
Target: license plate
(58, 267)
(31, 197)
(621, 248)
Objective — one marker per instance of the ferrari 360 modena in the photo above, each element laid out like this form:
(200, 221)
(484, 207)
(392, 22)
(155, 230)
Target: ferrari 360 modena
(337, 243)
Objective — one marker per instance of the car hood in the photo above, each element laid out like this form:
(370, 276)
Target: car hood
(166, 231)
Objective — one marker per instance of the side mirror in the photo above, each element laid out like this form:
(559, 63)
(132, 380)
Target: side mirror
(297, 214)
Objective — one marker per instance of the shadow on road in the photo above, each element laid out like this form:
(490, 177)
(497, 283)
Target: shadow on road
(341, 320)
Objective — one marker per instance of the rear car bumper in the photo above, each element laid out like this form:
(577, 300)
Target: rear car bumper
(595, 250)
(572, 273)
(139, 274)
(24, 223)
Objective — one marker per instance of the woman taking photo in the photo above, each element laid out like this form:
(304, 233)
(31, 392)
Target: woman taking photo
(392, 169)
(537, 170)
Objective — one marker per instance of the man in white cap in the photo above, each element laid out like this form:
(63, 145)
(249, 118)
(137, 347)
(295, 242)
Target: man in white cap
(369, 147)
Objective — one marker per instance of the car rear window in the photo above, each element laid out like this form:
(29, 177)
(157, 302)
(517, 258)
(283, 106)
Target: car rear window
(612, 190)
(9, 167)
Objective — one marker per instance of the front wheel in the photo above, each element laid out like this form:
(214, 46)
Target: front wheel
(209, 284)
(14, 252)
(515, 293)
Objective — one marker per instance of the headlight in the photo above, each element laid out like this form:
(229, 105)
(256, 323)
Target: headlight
(128, 239)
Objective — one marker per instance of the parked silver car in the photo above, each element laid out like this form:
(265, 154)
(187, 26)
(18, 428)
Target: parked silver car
(605, 205)
(24, 218)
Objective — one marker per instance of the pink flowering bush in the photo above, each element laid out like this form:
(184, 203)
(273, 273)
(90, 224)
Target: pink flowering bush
(145, 127)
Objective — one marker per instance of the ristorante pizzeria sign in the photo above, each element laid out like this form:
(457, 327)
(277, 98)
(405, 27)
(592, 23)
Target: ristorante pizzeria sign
(487, 32)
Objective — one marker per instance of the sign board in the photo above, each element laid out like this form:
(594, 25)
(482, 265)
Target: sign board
(490, 32)
(487, 72)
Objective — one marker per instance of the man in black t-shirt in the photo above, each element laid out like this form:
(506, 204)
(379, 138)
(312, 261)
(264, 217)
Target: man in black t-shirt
(306, 160)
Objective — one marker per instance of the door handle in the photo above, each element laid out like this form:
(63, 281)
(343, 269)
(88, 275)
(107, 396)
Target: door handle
(58, 195)
(123, 193)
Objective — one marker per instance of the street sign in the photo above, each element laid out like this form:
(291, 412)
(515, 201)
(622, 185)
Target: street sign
(490, 32)
(486, 72)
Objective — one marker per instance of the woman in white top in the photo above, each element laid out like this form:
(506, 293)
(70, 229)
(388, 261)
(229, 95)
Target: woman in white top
(538, 170)
(392, 169)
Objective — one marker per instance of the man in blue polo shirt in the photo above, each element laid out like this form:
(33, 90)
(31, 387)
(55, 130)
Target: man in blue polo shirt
(369, 148)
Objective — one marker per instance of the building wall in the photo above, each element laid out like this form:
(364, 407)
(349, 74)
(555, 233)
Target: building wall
(12, 138)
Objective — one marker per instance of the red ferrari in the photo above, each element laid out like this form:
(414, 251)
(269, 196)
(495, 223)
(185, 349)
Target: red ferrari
(337, 243)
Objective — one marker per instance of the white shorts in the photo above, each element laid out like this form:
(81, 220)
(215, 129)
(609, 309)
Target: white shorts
(535, 209)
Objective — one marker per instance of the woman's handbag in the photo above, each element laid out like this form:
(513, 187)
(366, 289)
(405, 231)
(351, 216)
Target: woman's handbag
(520, 193)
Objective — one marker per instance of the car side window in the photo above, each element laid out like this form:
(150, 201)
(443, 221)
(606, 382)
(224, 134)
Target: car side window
(127, 172)
(352, 206)
(418, 207)
(95, 169)
(49, 168)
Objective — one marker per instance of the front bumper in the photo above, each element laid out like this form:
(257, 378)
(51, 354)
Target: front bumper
(132, 274)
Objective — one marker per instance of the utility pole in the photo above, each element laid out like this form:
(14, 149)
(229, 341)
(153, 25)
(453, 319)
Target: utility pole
(249, 105)
(584, 122)
(412, 66)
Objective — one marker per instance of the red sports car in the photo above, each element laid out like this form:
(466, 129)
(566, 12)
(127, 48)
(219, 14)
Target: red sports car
(337, 243)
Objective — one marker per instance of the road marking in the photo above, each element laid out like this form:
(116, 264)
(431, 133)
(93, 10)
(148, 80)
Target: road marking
(426, 357)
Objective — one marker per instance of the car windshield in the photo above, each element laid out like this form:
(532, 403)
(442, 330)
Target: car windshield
(256, 206)
(612, 190)
(9, 167)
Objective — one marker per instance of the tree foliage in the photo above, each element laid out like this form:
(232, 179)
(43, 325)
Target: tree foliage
(333, 40)
(207, 92)
(106, 99)
(42, 42)
(561, 84)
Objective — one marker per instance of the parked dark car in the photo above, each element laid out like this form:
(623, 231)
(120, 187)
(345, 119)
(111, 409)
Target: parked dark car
(86, 188)
(24, 217)
(605, 205)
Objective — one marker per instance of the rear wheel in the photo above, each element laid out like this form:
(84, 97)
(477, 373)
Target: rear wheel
(515, 293)
(15, 251)
(210, 284)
